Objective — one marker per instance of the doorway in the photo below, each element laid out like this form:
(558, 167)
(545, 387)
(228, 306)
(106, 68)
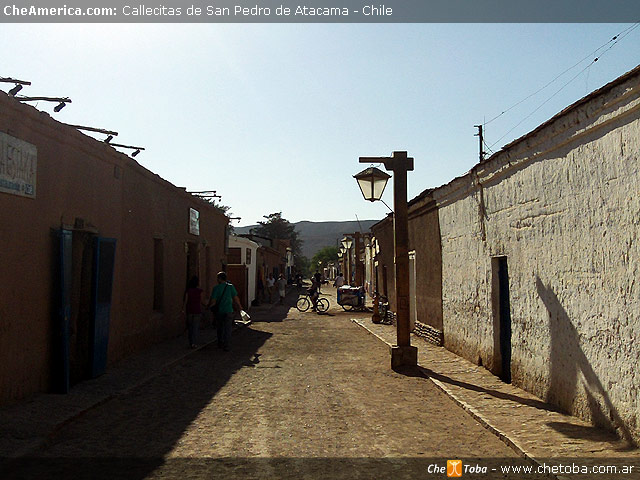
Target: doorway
(84, 284)
(413, 310)
(80, 344)
(501, 318)
(193, 264)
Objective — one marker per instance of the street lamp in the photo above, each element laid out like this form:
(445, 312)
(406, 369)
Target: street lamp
(372, 182)
(403, 353)
(346, 244)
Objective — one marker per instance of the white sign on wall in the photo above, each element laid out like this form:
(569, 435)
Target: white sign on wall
(194, 221)
(18, 165)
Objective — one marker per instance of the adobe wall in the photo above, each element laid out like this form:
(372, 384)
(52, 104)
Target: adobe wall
(563, 206)
(383, 232)
(81, 178)
(424, 239)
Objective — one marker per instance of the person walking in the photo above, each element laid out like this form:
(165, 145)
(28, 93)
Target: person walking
(282, 288)
(192, 307)
(260, 288)
(271, 282)
(223, 302)
(339, 281)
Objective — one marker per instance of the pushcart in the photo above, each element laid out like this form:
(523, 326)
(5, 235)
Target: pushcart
(351, 298)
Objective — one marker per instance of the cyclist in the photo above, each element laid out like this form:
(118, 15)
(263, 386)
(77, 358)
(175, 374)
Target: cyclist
(314, 290)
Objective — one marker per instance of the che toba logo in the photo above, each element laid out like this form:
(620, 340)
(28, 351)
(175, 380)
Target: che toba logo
(454, 468)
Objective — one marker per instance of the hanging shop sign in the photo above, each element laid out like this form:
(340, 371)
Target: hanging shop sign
(194, 221)
(18, 166)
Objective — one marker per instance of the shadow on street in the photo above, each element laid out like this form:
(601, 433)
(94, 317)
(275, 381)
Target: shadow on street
(129, 437)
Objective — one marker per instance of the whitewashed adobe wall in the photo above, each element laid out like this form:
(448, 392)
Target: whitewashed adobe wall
(563, 204)
(244, 244)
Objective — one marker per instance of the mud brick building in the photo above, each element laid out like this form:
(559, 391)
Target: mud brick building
(96, 252)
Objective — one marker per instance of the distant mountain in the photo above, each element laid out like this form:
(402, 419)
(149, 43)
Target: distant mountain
(317, 235)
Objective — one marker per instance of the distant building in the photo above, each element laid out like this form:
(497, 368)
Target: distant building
(242, 267)
(529, 263)
(96, 253)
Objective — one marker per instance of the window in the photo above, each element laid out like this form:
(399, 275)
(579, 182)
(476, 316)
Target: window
(234, 256)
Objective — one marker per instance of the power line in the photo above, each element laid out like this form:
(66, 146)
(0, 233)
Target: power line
(611, 43)
(614, 39)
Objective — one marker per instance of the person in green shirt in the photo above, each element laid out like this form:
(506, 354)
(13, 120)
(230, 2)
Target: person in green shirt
(224, 300)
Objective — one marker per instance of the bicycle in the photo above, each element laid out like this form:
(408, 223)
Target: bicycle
(304, 303)
(386, 315)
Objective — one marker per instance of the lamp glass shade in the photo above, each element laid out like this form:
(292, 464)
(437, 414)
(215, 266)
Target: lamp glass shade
(372, 182)
(346, 243)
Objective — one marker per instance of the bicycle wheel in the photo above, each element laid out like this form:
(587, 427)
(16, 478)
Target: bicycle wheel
(383, 310)
(303, 304)
(347, 308)
(322, 305)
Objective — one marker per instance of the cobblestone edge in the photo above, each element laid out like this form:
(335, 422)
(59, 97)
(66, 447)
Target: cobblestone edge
(471, 411)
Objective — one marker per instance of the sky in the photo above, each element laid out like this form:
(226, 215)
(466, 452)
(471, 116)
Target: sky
(274, 116)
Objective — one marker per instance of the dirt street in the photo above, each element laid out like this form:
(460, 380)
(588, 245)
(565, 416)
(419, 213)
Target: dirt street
(300, 395)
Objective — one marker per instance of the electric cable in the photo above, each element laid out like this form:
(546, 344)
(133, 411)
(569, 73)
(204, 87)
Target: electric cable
(614, 39)
(611, 43)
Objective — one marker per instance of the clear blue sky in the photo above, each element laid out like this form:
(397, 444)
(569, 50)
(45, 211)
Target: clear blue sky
(275, 116)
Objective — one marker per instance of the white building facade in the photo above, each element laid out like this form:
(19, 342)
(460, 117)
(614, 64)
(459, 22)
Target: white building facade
(541, 259)
(248, 257)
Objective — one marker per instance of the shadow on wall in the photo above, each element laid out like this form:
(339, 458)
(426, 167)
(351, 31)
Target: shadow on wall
(568, 361)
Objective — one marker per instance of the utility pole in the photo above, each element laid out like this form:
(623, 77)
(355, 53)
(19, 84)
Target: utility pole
(481, 141)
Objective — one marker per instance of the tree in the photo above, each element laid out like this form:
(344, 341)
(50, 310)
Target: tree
(277, 227)
(324, 256)
(224, 209)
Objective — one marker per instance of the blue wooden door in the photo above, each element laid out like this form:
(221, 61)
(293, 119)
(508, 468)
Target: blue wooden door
(63, 312)
(104, 257)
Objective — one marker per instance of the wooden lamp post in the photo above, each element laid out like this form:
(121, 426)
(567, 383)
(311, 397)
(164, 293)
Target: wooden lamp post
(346, 243)
(372, 182)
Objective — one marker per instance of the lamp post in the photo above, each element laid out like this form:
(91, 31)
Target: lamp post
(375, 318)
(372, 182)
(358, 266)
(346, 243)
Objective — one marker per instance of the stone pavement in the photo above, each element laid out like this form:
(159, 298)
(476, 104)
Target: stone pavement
(300, 395)
(533, 428)
(25, 427)
(527, 425)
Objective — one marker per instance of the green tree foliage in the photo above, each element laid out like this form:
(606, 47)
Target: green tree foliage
(224, 209)
(218, 206)
(324, 256)
(277, 227)
(274, 226)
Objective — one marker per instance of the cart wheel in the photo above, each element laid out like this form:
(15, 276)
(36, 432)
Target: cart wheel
(322, 305)
(347, 308)
(303, 304)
